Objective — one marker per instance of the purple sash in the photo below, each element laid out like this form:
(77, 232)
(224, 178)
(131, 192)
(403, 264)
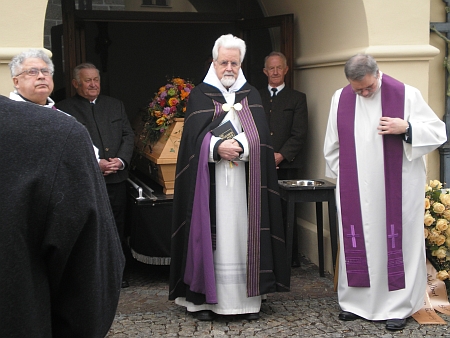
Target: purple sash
(199, 271)
(392, 103)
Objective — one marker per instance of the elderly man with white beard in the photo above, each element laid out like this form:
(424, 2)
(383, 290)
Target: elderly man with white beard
(227, 235)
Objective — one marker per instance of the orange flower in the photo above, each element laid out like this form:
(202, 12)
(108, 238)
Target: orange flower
(184, 94)
(173, 101)
(177, 81)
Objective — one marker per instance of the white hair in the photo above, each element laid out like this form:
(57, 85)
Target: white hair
(230, 42)
(15, 66)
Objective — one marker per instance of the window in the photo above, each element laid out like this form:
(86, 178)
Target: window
(165, 3)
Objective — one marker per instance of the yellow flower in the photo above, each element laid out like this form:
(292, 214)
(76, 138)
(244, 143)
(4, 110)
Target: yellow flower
(426, 233)
(446, 214)
(428, 219)
(440, 253)
(447, 242)
(433, 236)
(440, 240)
(438, 208)
(441, 224)
(160, 121)
(435, 184)
(427, 203)
(445, 199)
(442, 275)
(428, 188)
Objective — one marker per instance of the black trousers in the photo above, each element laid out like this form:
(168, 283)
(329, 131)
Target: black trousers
(117, 193)
(290, 174)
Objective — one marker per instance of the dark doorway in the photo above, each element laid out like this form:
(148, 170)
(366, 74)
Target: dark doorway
(137, 52)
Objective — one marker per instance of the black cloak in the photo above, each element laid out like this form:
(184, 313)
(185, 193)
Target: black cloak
(274, 272)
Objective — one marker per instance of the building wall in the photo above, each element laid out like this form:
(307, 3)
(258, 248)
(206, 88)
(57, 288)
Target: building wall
(20, 29)
(326, 34)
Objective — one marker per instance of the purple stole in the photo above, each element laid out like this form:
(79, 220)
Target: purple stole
(199, 270)
(392, 105)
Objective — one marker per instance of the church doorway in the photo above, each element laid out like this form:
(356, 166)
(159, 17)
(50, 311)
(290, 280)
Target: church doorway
(137, 51)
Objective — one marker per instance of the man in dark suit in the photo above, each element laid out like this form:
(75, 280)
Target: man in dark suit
(107, 122)
(287, 116)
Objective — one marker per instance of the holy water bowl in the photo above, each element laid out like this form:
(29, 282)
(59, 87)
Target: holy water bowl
(302, 183)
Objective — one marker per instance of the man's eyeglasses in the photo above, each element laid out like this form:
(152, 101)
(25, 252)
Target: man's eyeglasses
(36, 71)
(369, 89)
(224, 64)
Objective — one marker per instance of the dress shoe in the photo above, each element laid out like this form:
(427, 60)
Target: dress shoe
(295, 263)
(395, 324)
(124, 284)
(205, 315)
(251, 316)
(348, 316)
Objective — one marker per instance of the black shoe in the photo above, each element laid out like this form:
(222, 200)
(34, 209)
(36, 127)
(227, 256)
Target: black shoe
(348, 316)
(295, 263)
(205, 315)
(124, 284)
(395, 324)
(251, 316)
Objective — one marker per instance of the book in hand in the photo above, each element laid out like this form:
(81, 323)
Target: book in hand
(225, 131)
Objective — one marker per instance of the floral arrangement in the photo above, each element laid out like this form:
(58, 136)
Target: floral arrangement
(437, 230)
(168, 103)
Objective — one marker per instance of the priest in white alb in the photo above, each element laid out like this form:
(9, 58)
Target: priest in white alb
(378, 132)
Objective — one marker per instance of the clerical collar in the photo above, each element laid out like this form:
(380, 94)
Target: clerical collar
(279, 88)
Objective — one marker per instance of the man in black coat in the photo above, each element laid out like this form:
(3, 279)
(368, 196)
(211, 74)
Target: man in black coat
(61, 260)
(107, 122)
(287, 116)
(228, 244)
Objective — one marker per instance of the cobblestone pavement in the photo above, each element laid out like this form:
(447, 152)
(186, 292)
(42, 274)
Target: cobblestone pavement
(309, 310)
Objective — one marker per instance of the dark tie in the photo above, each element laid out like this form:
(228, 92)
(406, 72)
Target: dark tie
(274, 90)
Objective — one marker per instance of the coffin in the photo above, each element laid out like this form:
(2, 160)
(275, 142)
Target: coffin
(158, 161)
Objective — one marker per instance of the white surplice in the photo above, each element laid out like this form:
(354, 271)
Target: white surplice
(230, 256)
(428, 133)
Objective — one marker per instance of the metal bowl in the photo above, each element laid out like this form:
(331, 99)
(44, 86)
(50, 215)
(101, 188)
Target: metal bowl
(302, 183)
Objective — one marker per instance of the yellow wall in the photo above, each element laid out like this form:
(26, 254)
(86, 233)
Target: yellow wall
(21, 27)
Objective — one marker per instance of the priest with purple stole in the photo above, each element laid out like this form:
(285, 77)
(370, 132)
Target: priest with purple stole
(378, 132)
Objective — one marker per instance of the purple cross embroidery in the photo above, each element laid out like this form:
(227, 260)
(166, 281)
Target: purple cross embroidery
(353, 235)
(392, 236)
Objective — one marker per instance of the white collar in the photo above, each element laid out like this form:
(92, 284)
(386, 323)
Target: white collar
(16, 97)
(279, 88)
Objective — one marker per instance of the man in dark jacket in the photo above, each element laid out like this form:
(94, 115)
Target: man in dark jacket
(107, 122)
(61, 261)
(287, 116)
